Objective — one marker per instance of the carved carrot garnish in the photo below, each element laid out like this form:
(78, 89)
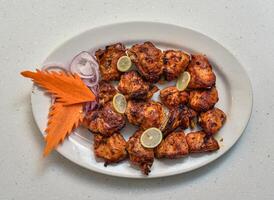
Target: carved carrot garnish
(67, 87)
(67, 112)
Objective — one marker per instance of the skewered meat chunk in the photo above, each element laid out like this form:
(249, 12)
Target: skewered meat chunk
(147, 59)
(134, 87)
(112, 149)
(108, 59)
(174, 62)
(104, 120)
(212, 120)
(202, 75)
(203, 100)
(173, 146)
(171, 97)
(201, 142)
(139, 155)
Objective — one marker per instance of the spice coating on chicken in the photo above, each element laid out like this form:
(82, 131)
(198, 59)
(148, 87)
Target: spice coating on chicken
(173, 146)
(134, 111)
(134, 87)
(212, 120)
(108, 59)
(201, 142)
(106, 92)
(171, 97)
(201, 73)
(104, 120)
(203, 100)
(188, 118)
(174, 63)
(148, 60)
(112, 149)
(145, 114)
(139, 155)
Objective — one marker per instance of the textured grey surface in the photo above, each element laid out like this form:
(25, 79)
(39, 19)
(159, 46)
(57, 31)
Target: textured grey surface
(29, 30)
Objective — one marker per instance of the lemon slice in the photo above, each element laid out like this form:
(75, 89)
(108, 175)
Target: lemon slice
(183, 81)
(166, 118)
(151, 137)
(124, 63)
(119, 103)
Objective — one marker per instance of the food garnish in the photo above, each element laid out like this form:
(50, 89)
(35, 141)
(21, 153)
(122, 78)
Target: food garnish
(86, 66)
(183, 81)
(151, 137)
(66, 87)
(124, 63)
(66, 113)
(62, 120)
(119, 103)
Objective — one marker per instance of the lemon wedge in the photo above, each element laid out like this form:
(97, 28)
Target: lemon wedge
(124, 63)
(119, 103)
(183, 81)
(166, 118)
(151, 137)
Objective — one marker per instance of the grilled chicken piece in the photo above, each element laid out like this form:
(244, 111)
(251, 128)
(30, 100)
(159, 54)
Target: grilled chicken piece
(104, 120)
(188, 118)
(201, 142)
(147, 59)
(106, 92)
(173, 146)
(171, 97)
(201, 73)
(145, 114)
(139, 155)
(134, 87)
(134, 112)
(174, 62)
(108, 59)
(112, 149)
(212, 120)
(203, 100)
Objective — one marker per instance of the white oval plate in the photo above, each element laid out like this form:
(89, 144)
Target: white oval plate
(232, 82)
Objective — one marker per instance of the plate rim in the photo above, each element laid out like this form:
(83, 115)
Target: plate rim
(62, 151)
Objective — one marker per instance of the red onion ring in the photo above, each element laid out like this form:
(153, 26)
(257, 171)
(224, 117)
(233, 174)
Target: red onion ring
(86, 66)
(54, 66)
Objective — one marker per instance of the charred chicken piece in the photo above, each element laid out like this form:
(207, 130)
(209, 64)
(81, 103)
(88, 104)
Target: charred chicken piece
(203, 100)
(134, 112)
(147, 59)
(202, 75)
(134, 87)
(171, 97)
(139, 155)
(104, 120)
(145, 114)
(201, 142)
(112, 149)
(188, 118)
(173, 146)
(174, 62)
(212, 120)
(108, 59)
(106, 92)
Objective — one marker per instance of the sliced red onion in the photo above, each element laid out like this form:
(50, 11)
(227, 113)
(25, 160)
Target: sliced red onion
(86, 66)
(55, 66)
(93, 104)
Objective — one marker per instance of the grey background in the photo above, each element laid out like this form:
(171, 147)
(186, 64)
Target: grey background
(29, 30)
